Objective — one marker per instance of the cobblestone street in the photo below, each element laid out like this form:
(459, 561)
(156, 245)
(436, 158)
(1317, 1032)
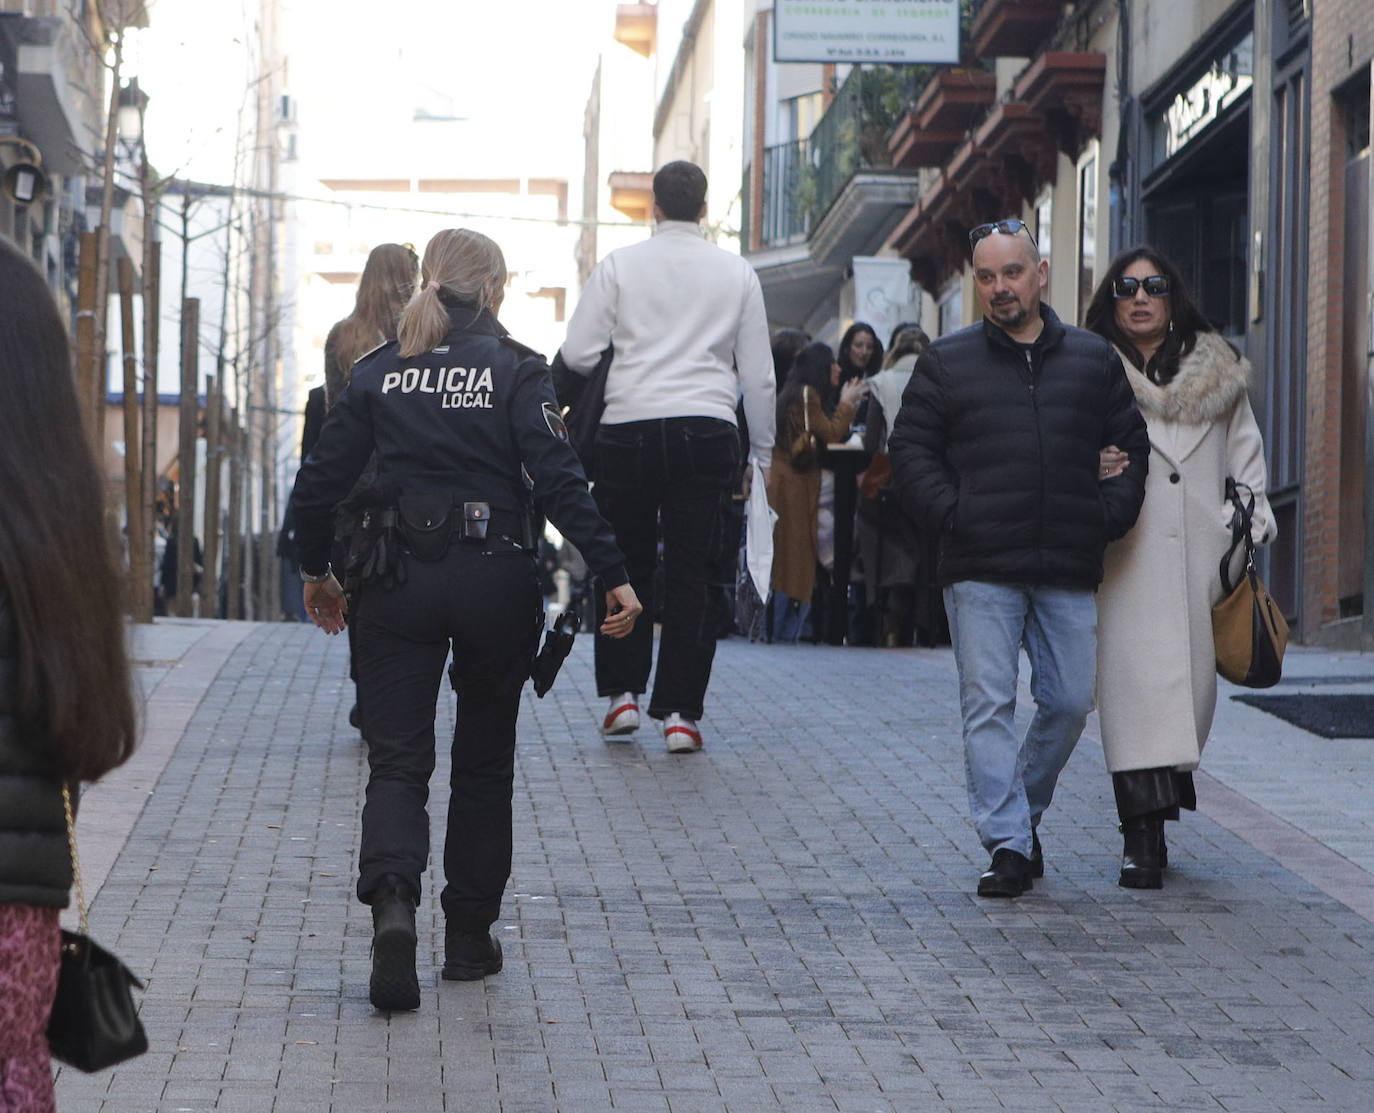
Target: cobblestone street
(782, 922)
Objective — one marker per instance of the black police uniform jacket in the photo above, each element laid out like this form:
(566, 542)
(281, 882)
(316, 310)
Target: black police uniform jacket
(470, 417)
(996, 448)
(35, 862)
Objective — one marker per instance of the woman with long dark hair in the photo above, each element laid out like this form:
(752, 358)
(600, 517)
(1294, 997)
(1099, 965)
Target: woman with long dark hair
(1156, 671)
(860, 354)
(794, 481)
(66, 705)
(787, 343)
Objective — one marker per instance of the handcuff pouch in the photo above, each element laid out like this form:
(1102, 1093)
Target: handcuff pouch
(425, 521)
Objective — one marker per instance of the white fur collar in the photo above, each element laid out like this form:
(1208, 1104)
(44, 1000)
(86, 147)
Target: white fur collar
(1211, 379)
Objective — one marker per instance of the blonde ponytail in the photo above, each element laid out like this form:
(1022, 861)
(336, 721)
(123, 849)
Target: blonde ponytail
(469, 267)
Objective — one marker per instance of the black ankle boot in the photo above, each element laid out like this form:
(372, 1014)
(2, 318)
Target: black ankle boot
(1141, 867)
(469, 956)
(394, 985)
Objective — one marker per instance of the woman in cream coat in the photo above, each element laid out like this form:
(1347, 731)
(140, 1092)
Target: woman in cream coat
(1156, 662)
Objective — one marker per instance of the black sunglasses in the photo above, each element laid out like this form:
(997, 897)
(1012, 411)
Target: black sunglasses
(1156, 285)
(1007, 227)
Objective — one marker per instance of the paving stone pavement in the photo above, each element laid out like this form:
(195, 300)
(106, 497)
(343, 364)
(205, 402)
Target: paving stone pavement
(783, 922)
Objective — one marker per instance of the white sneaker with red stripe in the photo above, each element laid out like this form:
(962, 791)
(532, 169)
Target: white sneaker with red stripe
(681, 734)
(622, 716)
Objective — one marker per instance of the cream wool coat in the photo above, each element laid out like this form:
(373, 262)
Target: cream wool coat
(1156, 663)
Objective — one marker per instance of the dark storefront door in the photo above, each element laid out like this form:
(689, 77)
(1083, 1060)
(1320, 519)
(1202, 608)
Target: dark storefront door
(1197, 214)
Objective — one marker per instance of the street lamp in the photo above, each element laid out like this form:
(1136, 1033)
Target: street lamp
(24, 181)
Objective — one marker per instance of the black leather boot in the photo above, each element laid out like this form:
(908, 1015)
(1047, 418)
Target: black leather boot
(394, 985)
(1141, 867)
(469, 956)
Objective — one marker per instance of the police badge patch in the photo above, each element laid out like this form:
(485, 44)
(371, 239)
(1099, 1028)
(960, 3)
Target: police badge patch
(555, 422)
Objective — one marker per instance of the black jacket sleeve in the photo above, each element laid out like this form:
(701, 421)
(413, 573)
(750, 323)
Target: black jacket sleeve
(920, 471)
(1125, 428)
(560, 484)
(327, 475)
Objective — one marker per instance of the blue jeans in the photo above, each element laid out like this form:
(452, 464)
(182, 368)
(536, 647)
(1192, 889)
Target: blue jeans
(1010, 782)
(789, 616)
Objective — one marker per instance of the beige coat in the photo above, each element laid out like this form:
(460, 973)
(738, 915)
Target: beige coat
(1156, 664)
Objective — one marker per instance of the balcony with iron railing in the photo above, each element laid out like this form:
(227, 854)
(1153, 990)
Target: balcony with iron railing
(799, 181)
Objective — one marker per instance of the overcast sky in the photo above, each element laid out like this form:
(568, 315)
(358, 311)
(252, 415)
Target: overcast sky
(520, 72)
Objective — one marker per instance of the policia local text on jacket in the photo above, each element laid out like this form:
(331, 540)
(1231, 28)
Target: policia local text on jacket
(996, 447)
(465, 420)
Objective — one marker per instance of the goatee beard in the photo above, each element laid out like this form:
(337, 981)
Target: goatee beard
(1012, 315)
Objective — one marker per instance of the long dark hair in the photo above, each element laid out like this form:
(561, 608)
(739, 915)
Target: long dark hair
(1185, 319)
(72, 683)
(810, 368)
(848, 368)
(787, 342)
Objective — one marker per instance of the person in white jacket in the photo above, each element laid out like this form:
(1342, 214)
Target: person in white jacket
(1157, 683)
(686, 322)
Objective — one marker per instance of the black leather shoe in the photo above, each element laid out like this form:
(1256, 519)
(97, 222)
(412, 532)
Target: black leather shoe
(1143, 838)
(468, 957)
(1037, 858)
(394, 985)
(1007, 876)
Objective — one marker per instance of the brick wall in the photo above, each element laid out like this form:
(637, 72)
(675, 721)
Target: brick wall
(1342, 46)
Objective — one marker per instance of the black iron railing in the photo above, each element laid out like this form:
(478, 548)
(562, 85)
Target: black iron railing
(801, 179)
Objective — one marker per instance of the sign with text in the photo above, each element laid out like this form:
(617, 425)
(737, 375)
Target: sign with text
(893, 31)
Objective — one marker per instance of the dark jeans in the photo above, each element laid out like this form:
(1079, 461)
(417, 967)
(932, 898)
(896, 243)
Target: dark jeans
(678, 473)
(484, 601)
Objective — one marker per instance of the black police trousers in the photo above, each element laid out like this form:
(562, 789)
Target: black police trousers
(678, 474)
(482, 600)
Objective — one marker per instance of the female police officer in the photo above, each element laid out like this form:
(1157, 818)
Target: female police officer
(458, 415)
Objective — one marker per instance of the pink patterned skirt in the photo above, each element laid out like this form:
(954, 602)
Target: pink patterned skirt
(30, 940)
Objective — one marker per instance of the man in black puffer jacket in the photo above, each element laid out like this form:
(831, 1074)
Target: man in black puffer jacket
(997, 448)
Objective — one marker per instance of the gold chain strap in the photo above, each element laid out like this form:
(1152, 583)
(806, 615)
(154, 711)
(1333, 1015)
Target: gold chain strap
(76, 862)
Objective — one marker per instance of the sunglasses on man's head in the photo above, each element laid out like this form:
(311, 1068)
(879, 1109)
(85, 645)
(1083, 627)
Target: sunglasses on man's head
(1156, 285)
(1006, 227)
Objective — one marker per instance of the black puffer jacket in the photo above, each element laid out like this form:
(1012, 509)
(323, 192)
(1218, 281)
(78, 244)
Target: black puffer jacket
(35, 863)
(996, 446)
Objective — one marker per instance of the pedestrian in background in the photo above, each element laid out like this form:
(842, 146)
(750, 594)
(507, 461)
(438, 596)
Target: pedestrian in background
(1156, 660)
(457, 414)
(66, 703)
(787, 345)
(795, 481)
(687, 322)
(997, 449)
(387, 284)
(860, 354)
(887, 540)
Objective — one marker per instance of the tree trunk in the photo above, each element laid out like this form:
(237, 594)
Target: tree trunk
(186, 455)
(139, 573)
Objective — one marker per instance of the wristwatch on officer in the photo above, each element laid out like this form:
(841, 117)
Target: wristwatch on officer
(312, 579)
